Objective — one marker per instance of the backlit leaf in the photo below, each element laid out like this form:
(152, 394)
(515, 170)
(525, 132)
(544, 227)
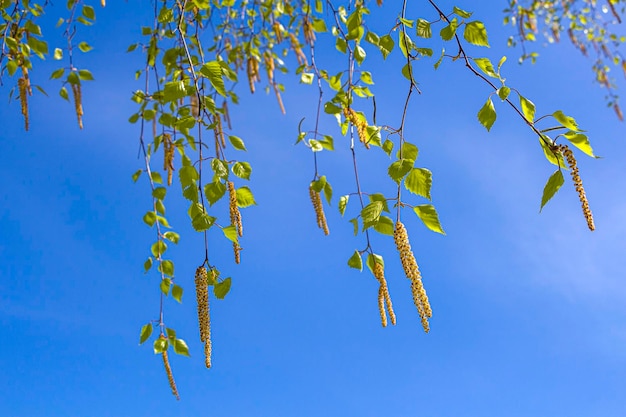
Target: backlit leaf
(555, 182)
(355, 261)
(222, 288)
(428, 215)
(487, 114)
(419, 181)
(146, 332)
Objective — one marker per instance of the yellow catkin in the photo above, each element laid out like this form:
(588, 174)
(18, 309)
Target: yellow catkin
(78, 103)
(253, 73)
(207, 353)
(278, 31)
(381, 306)
(319, 210)
(361, 125)
(168, 156)
(297, 49)
(307, 29)
(23, 92)
(618, 112)
(202, 300)
(383, 295)
(168, 371)
(409, 264)
(235, 218)
(103, 3)
(194, 105)
(578, 184)
(226, 114)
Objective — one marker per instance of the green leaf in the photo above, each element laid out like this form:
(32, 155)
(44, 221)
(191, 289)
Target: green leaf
(409, 151)
(419, 181)
(222, 288)
(359, 54)
(150, 218)
(343, 202)
(380, 197)
(180, 347)
(220, 168)
(528, 108)
(462, 13)
(580, 141)
(230, 232)
(58, 54)
(89, 12)
(400, 168)
(177, 293)
(555, 158)
(372, 38)
(242, 170)
(156, 177)
(555, 182)
(387, 146)
(187, 175)
(423, 29)
(165, 285)
(355, 261)
(167, 267)
(84, 47)
(371, 213)
(307, 78)
(245, 197)
(503, 92)
(476, 34)
(213, 71)
(449, 31)
(355, 224)
(214, 191)
(147, 265)
(159, 193)
(63, 93)
(160, 345)
(486, 67)
(146, 332)
(237, 143)
(202, 221)
(487, 114)
(385, 45)
(405, 43)
(385, 226)
(172, 236)
(428, 215)
(566, 121)
(85, 75)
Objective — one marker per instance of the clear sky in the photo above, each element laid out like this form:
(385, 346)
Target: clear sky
(529, 309)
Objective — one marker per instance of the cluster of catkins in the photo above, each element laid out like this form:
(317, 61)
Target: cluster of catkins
(383, 295)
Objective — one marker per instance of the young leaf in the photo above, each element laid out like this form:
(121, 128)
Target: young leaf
(172, 236)
(528, 108)
(384, 226)
(355, 261)
(146, 332)
(419, 181)
(409, 151)
(160, 345)
(476, 34)
(386, 45)
(222, 288)
(343, 202)
(449, 31)
(428, 215)
(242, 170)
(180, 347)
(237, 143)
(566, 121)
(400, 168)
(213, 71)
(371, 213)
(580, 141)
(486, 67)
(487, 114)
(230, 232)
(177, 293)
(245, 197)
(555, 182)
(423, 29)
(214, 191)
(374, 258)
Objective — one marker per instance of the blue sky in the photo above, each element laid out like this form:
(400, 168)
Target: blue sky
(529, 313)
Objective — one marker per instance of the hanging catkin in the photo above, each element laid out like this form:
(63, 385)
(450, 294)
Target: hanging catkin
(168, 371)
(235, 218)
(383, 295)
(319, 210)
(204, 317)
(578, 184)
(409, 264)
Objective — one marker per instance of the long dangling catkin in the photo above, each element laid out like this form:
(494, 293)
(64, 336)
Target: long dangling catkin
(409, 264)
(78, 103)
(383, 295)
(168, 371)
(361, 125)
(297, 49)
(578, 184)
(168, 157)
(23, 92)
(307, 29)
(235, 219)
(252, 68)
(202, 299)
(319, 210)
